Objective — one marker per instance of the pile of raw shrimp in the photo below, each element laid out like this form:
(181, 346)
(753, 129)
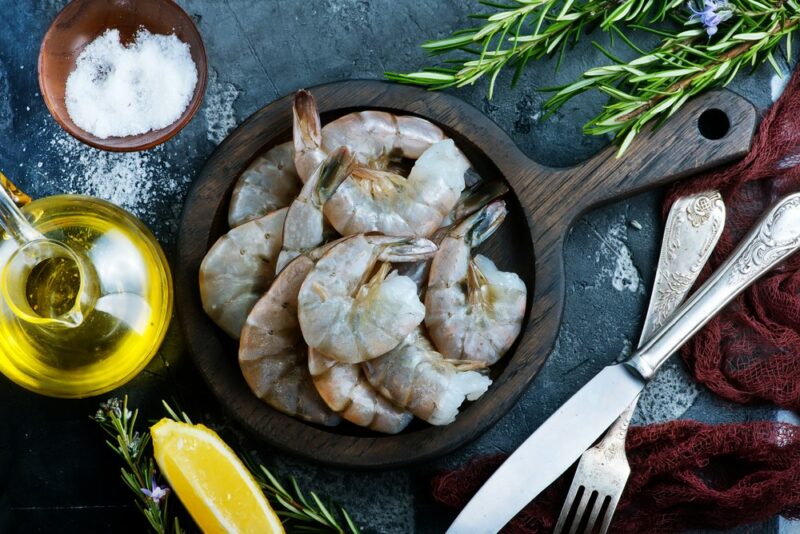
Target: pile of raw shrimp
(335, 246)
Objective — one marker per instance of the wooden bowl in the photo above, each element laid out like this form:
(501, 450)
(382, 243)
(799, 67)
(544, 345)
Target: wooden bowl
(82, 21)
(542, 205)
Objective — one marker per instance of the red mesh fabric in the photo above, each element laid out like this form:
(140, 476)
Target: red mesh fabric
(685, 475)
(748, 353)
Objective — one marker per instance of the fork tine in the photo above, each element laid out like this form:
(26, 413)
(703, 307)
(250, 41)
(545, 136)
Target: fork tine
(612, 507)
(598, 507)
(585, 498)
(568, 502)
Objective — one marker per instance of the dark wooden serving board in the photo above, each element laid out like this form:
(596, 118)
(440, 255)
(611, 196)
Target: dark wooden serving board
(709, 131)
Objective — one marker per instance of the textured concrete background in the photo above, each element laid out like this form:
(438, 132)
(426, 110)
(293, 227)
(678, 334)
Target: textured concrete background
(54, 468)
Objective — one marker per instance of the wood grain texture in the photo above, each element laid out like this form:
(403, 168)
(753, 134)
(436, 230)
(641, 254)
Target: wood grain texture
(543, 204)
(82, 21)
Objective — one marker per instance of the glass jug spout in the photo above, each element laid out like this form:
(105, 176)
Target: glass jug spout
(43, 282)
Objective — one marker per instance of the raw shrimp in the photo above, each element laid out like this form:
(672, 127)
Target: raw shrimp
(473, 311)
(239, 268)
(346, 390)
(352, 321)
(371, 200)
(273, 355)
(472, 199)
(417, 378)
(376, 138)
(268, 184)
(305, 225)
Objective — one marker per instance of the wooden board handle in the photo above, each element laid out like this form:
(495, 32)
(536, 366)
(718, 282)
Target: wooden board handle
(713, 129)
(709, 131)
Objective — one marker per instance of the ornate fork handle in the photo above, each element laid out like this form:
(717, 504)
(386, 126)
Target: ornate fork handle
(775, 237)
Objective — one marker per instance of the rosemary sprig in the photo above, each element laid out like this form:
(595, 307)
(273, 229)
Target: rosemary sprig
(140, 473)
(520, 31)
(649, 88)
(655, 85)
(298, 512)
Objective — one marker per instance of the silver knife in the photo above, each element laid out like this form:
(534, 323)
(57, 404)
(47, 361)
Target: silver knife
(693, 227)
(574, 427)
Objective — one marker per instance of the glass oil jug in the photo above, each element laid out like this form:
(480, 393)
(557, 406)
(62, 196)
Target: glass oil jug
(86, 294)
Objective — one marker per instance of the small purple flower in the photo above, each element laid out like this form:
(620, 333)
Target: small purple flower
(156, 492)
(711, 13)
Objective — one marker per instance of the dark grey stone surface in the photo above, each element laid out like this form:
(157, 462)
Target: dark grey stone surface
(54, 468)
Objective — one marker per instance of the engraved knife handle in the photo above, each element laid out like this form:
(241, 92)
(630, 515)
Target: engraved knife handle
(774, 238)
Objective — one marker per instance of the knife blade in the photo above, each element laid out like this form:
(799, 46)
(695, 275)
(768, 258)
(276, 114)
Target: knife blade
(574, 427)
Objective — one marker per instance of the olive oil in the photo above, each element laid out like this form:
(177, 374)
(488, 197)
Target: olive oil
(52, 286)
(121, 289)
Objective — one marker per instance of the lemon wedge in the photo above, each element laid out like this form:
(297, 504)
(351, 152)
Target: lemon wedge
(212, 483)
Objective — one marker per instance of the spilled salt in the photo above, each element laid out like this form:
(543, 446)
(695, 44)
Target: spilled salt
(148, 184)
(625, 275)
(219, 110)
(118, 90)
(777, 84)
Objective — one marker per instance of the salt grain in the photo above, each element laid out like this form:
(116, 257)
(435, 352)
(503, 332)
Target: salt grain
(219, 112)
(118, 91)
(135, 181)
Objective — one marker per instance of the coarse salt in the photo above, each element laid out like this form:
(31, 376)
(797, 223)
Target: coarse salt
(118, 90)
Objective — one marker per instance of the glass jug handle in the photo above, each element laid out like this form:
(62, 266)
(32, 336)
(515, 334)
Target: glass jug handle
(12, 220)
(19, 197)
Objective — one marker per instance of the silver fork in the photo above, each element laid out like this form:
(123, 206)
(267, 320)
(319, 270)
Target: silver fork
(693, 227)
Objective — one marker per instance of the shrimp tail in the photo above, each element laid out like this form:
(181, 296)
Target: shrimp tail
(306, 122)
(335, 170)
(479, 226)
(408, 249)
(467, 385)
(471, 200)
(306, 134)
(478, 196)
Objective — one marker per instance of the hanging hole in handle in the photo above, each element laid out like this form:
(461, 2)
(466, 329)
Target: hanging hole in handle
(713, 124)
